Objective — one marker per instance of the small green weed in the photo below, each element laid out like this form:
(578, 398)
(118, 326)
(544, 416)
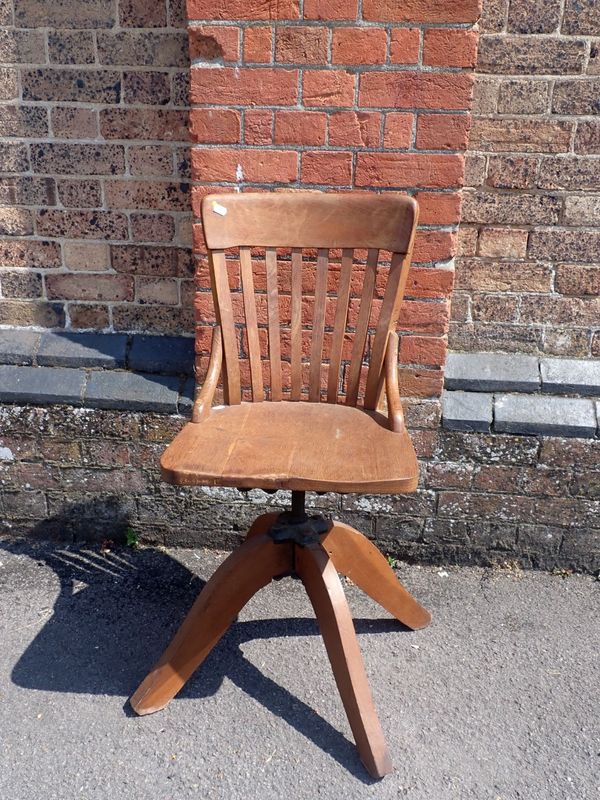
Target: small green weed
(131, 539)
(393, 562)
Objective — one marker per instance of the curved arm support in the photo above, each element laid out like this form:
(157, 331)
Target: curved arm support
(204, 397)
(395, 411)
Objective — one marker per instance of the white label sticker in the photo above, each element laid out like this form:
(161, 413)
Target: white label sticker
(218, 208)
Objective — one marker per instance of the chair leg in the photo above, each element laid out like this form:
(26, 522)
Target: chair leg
(335, 622)
(239, 577)
(358, 559)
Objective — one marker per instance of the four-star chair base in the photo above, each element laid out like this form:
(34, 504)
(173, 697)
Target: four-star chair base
(284, 544)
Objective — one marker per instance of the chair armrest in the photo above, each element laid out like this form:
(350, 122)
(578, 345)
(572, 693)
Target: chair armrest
(392, 391)
(204, 396)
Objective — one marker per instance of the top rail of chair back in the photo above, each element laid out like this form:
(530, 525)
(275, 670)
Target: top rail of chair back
(309, 219)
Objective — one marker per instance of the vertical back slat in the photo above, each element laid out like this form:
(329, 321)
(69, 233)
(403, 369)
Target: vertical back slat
(394, 291)
(362, 328)
(251, 324)
(273, 315)
(296, 323)
(339, 326)
(231, 380)
(318, 327)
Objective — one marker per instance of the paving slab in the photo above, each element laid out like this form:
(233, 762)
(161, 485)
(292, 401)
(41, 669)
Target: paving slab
(570, 375)
(554, 416)
(169, 355)
(496, 700)
(106, 350)
(489, 372)
(41, 385)
(18, 347)
(132, 391)
(467, 411)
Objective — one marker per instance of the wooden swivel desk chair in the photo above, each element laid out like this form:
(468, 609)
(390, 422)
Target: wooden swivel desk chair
(327, 444)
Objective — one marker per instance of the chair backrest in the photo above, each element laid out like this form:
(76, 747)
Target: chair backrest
(334, 269)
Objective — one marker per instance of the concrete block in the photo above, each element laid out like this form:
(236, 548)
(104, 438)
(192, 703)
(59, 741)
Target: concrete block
(106, 350)
(555, 416)
(467, 411)
(132, 391)
(570, 375)
(167, 355)
(41, 385)
(18, 347)
(491, 372)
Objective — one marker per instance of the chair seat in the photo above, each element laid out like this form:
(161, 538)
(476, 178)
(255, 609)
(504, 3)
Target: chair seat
(285, 445)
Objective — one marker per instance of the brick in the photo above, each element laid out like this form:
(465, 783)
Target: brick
(23, 121)
(214, 42)
(581, 17)
(163, 291)
(254, 166)
(150, 160)
(490, 372)
(156, 195)
(445, 47)
(520, 135)
(167, 355)
(467, 411)
(570, 342)
(301, 44)
(576, 97)
(570, 376)
(582, 209)
(328, 88)
(41, 385)
(145, 260)
(6, 12)
(438, 90)
(82, 350)
(508, 209)
(554, 416)
(18, 347)
(244, 9)
(79, 194)
(13, 157)
(144, 123)
(398, 169)
(429, 282)
(420, 316)
(442, 131)
(300, 127)
(434, 246)
(259, 86)
(564, 245)
(80, 256)
(503, 243)
(150, 88)
(438, 208)
(132, 391)
(15, 222)
(475, 170)
(494, 308)
(502, 276)
(70, 47)
(359, 46)
(569, 173)
(86, 286)
(20, 47)
(30, 254)
(330, 168)
(140, 14)
(146, 227)
(180, 88)
(427, 350)
(587, 137)
(27, 191)
(405, 44)
(258, 45)
(92, 159)
(354, 129)
(398, 130)
(523, 97)
(144, 48)
(533, 16)
(74, 123)
(71, 85)
(330, 9)
(23, 285)
(581, 454)
(9, 85)
(215, 125)
(63, 14)
(560, 310)
(421, 11)
(512, 172)
(258, 126)
(573, 279)
(88, 317)
(526, 55)
(153, 319)
(82, 224)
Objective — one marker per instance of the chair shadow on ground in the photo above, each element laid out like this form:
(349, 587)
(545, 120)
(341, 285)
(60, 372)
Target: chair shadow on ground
(115, 613)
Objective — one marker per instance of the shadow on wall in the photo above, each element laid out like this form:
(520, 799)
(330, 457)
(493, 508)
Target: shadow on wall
(116, 611)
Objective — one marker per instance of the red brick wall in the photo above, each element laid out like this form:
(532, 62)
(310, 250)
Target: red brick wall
(340, 96)
(529, 275)
(94, 167)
